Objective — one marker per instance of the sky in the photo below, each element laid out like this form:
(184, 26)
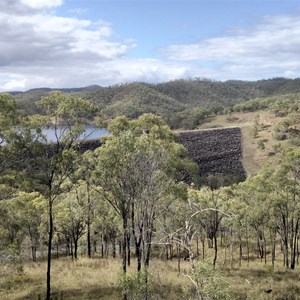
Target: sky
(76, 43)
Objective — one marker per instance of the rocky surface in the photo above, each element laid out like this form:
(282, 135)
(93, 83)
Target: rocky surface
(216, 151)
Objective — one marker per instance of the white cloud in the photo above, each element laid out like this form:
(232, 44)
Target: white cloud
(273, 45)
(41, 4)
(41, 49)
(78, 11)
(14, 85)
(104, 72)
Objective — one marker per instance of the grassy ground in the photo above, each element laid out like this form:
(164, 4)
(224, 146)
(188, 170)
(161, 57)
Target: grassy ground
(97, 279)
(86, 279)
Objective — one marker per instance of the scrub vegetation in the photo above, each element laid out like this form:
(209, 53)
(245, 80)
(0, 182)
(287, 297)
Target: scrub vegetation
(149, 213)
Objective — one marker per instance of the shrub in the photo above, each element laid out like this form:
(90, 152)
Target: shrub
(207, 283)
(136, 286)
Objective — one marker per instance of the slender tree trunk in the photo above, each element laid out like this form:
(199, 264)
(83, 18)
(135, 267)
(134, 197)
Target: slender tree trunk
(75, 248)
(273, 245)
(72, 250)
(33, 253)
(89, 246)
(172, 248)
(203, 248)
(297, 249)
(241, 250)
(293, 250)
(178, 258)
(215, 249)
(148, 247)
(102, 246)
(265, 247)
(114, 247)
(231, 249)
(167, 250)
(128, 249)
(120, 248)
(247, 244)
(124, 248)
(50, 237)
(95, 246)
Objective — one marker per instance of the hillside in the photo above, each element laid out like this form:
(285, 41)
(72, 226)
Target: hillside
(174, 101)
(260, 139)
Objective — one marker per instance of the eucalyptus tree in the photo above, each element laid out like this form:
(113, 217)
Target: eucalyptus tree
(213, 205)
(50, 162)
(70, 212)
(285, 199)
(135, 169)
(9, 120)
(21, 217)
(272, 197)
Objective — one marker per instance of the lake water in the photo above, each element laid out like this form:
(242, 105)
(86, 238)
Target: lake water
(90, 133)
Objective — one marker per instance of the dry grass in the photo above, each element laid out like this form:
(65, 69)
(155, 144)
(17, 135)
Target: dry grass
(253, 157)
(97, 279)
(85, 279)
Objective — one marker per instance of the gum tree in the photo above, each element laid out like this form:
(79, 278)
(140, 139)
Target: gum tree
(50, 162)
(135, 169)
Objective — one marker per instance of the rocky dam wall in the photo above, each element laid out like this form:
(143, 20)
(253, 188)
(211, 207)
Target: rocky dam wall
(216, 151)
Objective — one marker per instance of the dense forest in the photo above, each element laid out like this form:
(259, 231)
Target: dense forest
(181, 103)
(69, 215)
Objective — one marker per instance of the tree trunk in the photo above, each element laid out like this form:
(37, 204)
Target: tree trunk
(128, 249)
(241, 250)
(72, 251)
(33, 253)
(247, 244)
(124, 247)
(203, 248)
(50, 237)
(75, 248)
(114, 247)
(215, 249)
(273, 245)
(89, 247)
(293, 250)
(102, 246)
(124, 254)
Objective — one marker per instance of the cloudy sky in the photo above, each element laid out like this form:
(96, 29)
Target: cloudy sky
(74, 43)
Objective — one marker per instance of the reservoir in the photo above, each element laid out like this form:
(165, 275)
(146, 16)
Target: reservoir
(90, 133)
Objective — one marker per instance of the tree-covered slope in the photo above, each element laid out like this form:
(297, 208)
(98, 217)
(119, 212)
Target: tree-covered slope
(175, 101)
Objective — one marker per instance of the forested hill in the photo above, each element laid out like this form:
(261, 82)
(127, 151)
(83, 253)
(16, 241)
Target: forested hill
(182, 103)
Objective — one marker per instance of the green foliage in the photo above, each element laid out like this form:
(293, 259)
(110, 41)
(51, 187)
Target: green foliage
(189, 118)
(207, 283)
(286, 129)
(176, 100)
(261, 145)
(136, 286)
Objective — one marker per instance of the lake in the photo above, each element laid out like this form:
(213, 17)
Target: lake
(90, 133)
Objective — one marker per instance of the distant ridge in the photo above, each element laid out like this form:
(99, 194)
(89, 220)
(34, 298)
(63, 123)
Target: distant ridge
(90, 88)
(181, 103)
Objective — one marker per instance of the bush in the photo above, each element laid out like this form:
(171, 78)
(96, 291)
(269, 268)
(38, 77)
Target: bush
(136, 286)
(279, 136)
(207, 283)
(295, 141)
